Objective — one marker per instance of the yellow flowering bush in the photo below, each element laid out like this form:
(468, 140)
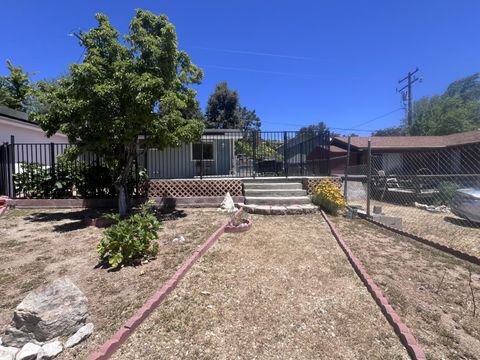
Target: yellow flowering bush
(328, 196)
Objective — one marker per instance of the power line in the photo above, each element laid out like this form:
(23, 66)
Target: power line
(379, 117)
(256, 53)
(261, 71)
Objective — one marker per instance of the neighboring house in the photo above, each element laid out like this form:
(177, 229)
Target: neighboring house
(307, 153)
(15, 123)
(449, 154)
(214, 155)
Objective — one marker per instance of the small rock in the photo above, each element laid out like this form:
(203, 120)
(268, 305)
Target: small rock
(50, 350)
(82, 333)
(8, 352)
(28, 352)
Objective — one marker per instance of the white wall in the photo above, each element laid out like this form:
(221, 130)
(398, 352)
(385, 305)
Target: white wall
(26, 133)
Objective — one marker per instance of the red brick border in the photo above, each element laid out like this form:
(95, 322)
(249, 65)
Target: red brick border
(112, 345)
(457, 253)
(402, 331)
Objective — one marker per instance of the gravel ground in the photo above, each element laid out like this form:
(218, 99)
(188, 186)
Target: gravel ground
(429, 289)
(39, 246)
(283, 290)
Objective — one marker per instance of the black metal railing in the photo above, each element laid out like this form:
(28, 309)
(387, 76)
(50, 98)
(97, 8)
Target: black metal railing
(42, 170)
(227, 153)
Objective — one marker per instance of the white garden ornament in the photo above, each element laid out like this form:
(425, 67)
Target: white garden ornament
(227, 204)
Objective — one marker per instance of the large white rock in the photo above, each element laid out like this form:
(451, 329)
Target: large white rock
(28, 352)
(57, 309)
(227, 204)
(8, 353)
(82, 333)
(50, 350)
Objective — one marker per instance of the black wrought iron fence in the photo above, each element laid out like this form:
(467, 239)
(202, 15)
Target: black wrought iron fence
(43, 171)
(235, 153)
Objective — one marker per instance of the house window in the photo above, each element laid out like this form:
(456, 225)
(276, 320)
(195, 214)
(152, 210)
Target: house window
(207, 151)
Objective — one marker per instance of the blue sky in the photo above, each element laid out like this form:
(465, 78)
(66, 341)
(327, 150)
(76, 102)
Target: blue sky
(295, 62)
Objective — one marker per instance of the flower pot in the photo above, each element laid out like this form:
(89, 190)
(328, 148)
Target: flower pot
(245, 226)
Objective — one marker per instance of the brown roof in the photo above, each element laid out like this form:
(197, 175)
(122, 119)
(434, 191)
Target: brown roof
(411, 142)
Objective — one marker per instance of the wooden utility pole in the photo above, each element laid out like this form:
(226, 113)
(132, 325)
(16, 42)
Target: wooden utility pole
(411, 79)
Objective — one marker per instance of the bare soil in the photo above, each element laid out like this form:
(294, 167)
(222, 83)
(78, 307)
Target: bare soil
(444, 228)
(39, 246)
(429, 289)
(283, 290)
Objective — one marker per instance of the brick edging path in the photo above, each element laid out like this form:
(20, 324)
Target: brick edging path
(402, 331)
(457, 253)
(119, 338)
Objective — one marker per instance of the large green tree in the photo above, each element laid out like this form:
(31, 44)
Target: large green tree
(15, 88)
(222, 110)
(123, 89)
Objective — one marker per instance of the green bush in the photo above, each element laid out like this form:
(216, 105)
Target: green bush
(72, 178)
(446, 192)
(130, 240)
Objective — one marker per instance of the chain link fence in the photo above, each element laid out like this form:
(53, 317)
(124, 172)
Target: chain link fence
(434, 194)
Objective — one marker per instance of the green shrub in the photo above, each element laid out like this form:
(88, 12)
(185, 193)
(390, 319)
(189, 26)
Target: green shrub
(72, 178)
(130, 240)
(446, 192)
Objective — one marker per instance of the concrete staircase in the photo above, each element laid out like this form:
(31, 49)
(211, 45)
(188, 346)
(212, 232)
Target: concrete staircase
(276, 197)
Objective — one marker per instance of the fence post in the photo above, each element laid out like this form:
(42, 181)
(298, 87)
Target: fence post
(254, 152)
(345, 187)
(52, 162)
(12, 171)
(369, 175)
(285, 160)
(201, 159)
(301, 154)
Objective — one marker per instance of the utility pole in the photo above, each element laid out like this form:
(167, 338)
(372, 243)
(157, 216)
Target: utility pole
(411, 79)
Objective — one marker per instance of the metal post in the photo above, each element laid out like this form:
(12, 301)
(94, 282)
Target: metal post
(12, 172)
(345, 187)
(285, 160)
(369, 175)
(254, 153)
(201, 159)
(301, 154)
(52, 162)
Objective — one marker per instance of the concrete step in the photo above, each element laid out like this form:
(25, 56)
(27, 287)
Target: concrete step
(274, 192)
(273, 186)
(280, 210)
(277, 201)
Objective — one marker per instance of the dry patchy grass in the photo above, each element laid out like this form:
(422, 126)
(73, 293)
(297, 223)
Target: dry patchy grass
(429, 289)
(40, 246)
(283, 290)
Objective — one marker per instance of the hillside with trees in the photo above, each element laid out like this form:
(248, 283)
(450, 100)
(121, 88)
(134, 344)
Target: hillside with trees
(456, 110)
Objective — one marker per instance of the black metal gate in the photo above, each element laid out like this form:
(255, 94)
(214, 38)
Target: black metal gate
(5, 170)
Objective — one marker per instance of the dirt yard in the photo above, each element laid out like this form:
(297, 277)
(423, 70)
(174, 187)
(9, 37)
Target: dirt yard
(40, 246)
(444, 228)
(283, 290)
(429, 289)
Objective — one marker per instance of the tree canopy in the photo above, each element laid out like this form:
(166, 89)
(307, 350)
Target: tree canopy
(456, 110)
(320, 127)
(124, 89)
(15, 88)
(224, 111)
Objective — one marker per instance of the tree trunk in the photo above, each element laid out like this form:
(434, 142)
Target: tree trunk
(124, 168)
(122, 200)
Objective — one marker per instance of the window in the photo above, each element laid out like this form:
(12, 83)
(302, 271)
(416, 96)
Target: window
(207, 151)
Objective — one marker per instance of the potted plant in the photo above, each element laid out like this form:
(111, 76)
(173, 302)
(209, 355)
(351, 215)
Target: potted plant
(239, 222)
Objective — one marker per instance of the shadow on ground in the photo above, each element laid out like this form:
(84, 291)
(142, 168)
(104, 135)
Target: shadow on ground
(77, 218)
(461, 222)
